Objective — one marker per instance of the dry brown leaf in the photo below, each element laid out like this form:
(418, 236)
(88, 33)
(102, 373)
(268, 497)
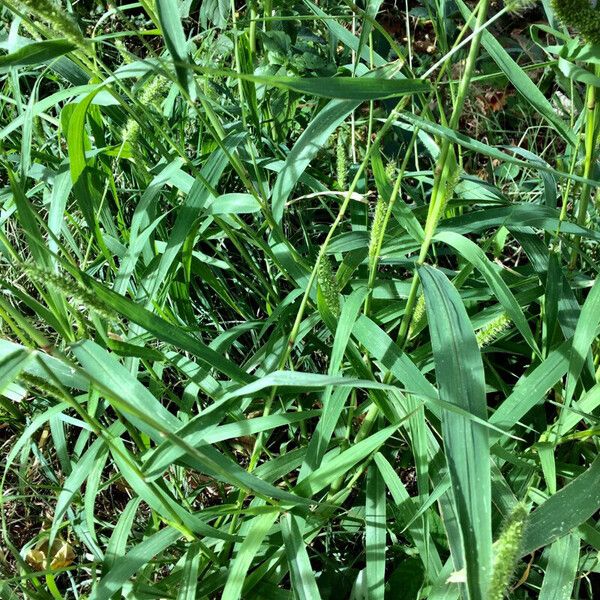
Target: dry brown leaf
(61, 552)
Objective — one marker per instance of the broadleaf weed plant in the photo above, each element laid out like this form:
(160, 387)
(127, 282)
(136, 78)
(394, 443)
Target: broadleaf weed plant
(299, 300)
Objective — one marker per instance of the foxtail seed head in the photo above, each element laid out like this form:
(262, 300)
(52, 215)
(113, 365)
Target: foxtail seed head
(506, 552)
(486, 335)
(418, 315)
(341, 165)
(77, 292)
(377, 226)
(390, 170)
(580, 15)
(151, 94)
(518, 6)
(57, 17)
(329, 285)
(450, 185)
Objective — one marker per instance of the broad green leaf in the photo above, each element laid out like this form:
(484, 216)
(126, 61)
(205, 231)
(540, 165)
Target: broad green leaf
(357, 89)
(561, 569)
(174, 36)
(35, 53)
(461, 381)
(375, 533)
(585, 333)
(564, 511)
(11, 366)
(77, 136)
(234, 204)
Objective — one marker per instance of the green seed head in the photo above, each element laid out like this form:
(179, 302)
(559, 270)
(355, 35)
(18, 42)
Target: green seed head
(580, 15)
(450, 185)
(57, 17)
(155, 90)
(131, 132)
(390, 170)
(329, 285)
(518, 6)
(377, 226)
(486, 335)
(341, 164)
(507, 552)
(151, 94)
(418, 316)
(77, 292)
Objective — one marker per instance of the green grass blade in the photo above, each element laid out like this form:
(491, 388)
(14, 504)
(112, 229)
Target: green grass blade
(476, 256)
(189, 583)
(255, 534)
(174, 36)
(35, 53)
(327, 473)
(301, 571)
(562, 512)
(375, 533)
(134, 560)
(561, 571)
(585, 333)
(461, 381)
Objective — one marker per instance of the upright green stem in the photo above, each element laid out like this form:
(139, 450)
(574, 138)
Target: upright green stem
(439, 197)
(590, 155)
(305, 298)
(388, 214)
(444, 170)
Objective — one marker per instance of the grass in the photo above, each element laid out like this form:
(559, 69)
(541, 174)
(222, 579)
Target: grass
(299, 300)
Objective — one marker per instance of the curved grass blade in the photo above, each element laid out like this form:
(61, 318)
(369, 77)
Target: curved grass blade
(117, 544)
(476, 256)
(35, 53)
(132, 562)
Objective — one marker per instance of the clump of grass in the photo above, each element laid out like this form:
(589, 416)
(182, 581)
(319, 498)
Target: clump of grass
(182, 397)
